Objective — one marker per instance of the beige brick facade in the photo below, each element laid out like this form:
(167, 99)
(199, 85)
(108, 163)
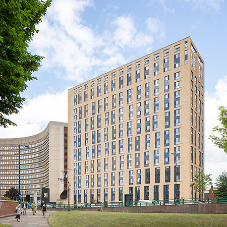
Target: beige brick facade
(179, 88)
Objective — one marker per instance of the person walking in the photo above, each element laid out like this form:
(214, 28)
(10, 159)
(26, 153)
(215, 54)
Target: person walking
(24, 206)
(42, 204)
(44, 209)
(18, 211)
(33, 207)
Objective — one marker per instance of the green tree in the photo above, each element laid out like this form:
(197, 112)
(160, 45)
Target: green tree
(221, 183)
(201, 181)
(221, 141)
(12, 193)
(18, 19)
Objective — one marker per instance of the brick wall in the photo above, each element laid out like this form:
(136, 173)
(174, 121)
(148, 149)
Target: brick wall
(7, 207)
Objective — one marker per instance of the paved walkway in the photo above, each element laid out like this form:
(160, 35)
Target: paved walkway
(28, 220)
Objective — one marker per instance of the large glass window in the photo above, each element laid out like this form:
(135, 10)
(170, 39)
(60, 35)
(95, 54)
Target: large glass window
(157, 139)
(166, 101)
(176, 99)
(177, 117)
(176, 60)
(121, 99)
(138, 93)
(156, 68)
(156, 157)
(166, 64)
(137, 160)
(156, 105)
(129, 96)
(176, 136)
(156, 87)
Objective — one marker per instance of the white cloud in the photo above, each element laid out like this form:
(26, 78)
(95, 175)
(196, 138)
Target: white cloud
(156, 26)
(71, 45)
(215, 158)
(207, 4)
(36, 114)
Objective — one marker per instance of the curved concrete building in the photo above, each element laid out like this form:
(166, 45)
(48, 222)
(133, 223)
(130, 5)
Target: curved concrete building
(43, 158)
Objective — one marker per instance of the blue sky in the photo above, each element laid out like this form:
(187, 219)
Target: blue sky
(84, 39)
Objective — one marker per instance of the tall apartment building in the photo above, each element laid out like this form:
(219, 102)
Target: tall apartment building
(138, 130)
(42, 159)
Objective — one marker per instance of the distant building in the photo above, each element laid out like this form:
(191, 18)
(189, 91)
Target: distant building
(137, 132)
(43, 158)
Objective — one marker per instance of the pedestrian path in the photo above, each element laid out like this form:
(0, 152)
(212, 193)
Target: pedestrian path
(28, 220)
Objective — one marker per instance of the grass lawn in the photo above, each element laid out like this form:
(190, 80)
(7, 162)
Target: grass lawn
(4, 225)
(97, 218)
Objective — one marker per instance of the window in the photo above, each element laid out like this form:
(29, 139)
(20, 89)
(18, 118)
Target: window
(121, 99)
(113, 117)
(157, 139)
(114, 132)
(156, 87)
(176, 136)
(80, 112)
(156, 105)
(177, 85)
(147, 124)
(166, 64)
(191, 135)
(156, 57)
(129, 68)
(157, 175)
(113, 74)
(177, 76)
(137, 139)
(121, 82)
(137, 64)
(176, 99)
(146, 107)
(86, 167)
(146, 72)
(106, 104)
(176, 60)
(79, 126)
(106, 88)
(120, 146)
(129, 144)
(85, 96)
(166, 138)
(166, 156)
(92, 123)
(147, 90)
(106, 119)
(146, 61)
(166, 52)
(166, 83)
(129, 79)
(186, 57)
(98, 184)
(113, 179)
(146, 159)
(176, 173)
(176, 154)
(93, 108)
(148, 141)
(98, 90)
(139, 109)
(177, 48)
(129, 96)
(98, 150)
(155, 122)
(130, 112)
(167, 174)
(113, 101)
(113, 147)
(156, 68)
(99, 106)
(98, 136)
(138, 93)
(177, 117)
(106, 166)
(131, 177)
(137, 160)
(121, 178)
(93, 152)
(129, 128)
(121, 115)
(166, 101)
(156, 157)
(106, 149)
(105, 134)
(92, 93)
(139, 176)
(114, 163)
(121, 162)
(79, 140)
(80, 98)
(92, 166)
(75, 100)
(86, 139)
(113, 84)
(129, 161)
(138, 75)
(121, 131)
(98, 165)
(99, 121)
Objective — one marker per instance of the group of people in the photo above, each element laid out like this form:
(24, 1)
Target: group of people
(20, 210)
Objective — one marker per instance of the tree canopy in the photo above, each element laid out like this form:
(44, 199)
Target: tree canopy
(221, 183)
(12, 193)
(221, 141)
(201, 181)
(18, 19)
